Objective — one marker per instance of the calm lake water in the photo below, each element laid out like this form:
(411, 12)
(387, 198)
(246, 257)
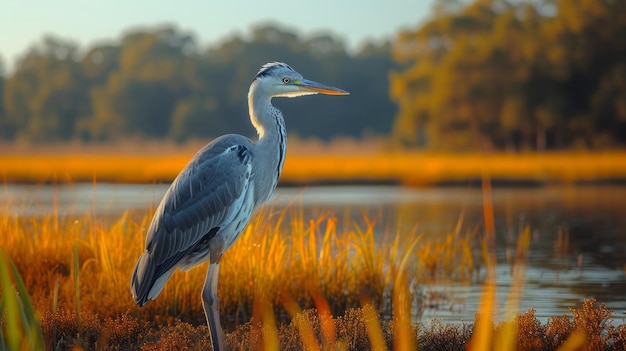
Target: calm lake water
(594, 217)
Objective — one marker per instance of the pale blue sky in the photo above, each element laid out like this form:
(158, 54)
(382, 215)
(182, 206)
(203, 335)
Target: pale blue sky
(24, 22)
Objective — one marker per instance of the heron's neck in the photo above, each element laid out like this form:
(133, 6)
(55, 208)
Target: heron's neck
(266, 119)
(270, 126)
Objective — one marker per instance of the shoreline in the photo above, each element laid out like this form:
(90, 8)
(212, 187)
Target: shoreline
(409, 169)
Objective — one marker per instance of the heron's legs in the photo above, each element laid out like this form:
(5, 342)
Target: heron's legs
(212, 307)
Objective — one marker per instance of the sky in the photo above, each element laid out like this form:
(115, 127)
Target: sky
(23, 23)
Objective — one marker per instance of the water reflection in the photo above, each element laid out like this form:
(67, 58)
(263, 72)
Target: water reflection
(578, 246)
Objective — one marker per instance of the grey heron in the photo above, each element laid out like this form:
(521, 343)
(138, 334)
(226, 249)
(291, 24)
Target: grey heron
(211, 201)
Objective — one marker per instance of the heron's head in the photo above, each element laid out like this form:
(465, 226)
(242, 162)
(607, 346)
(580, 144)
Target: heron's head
(277, 79)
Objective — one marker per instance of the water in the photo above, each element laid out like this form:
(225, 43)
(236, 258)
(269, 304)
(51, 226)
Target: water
(593, 218)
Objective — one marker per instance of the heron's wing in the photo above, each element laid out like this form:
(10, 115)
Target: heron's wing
(201, 198)
(205, 197)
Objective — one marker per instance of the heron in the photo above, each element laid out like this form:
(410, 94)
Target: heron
(210, 202)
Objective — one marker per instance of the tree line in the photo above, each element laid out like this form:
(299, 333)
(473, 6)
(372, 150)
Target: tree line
(518, 75)
(160, 83)
(483, 74)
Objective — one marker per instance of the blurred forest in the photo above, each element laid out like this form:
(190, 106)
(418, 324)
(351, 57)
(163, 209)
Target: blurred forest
(483, 74)
(530, 75)
(159, 83)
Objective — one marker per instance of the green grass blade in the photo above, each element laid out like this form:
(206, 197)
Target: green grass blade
(10, 306)
(33, 328)
(23, 330)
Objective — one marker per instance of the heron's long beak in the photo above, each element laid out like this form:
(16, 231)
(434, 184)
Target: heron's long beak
(306, 85)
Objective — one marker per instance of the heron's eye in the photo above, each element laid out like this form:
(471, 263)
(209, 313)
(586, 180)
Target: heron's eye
(286, 80)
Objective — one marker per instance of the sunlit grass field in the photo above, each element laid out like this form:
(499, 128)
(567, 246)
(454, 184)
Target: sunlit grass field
(289, 283)
(408, 168)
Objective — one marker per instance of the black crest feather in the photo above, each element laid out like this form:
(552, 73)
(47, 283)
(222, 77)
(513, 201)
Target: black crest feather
(269, 67)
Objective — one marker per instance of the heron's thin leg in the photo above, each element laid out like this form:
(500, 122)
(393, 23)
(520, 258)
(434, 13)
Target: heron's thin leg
(212, 307)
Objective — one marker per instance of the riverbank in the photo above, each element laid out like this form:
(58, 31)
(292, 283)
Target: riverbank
(407, 168)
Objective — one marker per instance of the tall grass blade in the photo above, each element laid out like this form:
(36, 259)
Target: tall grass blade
(10, 305)
(55, 303)
(35, 335)
(483, 330)
(508, 331)
(402, 303)
(329, 332)
(299, 319)
(374, 331)
(77, 283)
(23, 331)
(270, 331)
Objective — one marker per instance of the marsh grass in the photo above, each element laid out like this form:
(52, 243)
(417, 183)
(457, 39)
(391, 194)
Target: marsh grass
(336, 165)
(289, 282)
(76, 267)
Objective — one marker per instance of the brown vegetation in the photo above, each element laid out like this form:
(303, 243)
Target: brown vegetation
(588, 323)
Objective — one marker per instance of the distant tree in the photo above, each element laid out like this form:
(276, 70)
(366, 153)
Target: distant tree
(323, 58)
(142, 89)
(367, 111)
(586, 55)
(192, 116)
(6, 129)
(99, 62)
(46, 95)
(513, 74)
(157, 83)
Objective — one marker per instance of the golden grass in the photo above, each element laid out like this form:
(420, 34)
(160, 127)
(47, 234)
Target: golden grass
(75, 266)
(335, 285)
(405, 168)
